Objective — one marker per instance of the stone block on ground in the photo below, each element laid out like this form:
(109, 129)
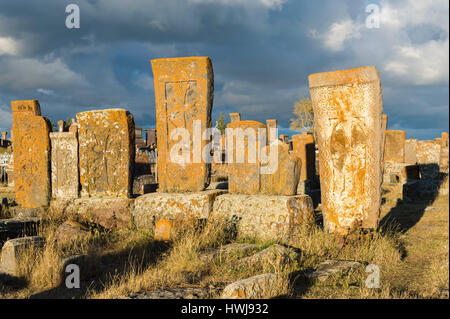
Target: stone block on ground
(265, 216)
(150, 208)
(256, 287)
(139, 183)
(70, 231)
(400, 173)
(12, 250)
(331, 267)
(110, 213)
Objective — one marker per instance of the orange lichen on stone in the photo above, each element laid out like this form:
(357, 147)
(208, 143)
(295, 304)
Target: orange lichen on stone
(24, 107)
(394, 147)
(32, 160)
(183, 94)
(106, 153)
(347, 111)
(303, 147)
(344, 77)
(243, 147)
(163, 230)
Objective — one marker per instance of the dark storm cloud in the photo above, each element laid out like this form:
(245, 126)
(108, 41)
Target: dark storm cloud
(262, 53)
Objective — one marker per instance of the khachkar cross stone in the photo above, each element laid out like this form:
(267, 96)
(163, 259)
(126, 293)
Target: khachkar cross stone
(64, 164)
(348, 113)
(184, 94)
(106, 153)
(31, 154)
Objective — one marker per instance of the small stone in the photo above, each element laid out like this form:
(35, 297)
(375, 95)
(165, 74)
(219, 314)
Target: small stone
(331, 267)
(70, 231)
(256, 287)
(9, 263)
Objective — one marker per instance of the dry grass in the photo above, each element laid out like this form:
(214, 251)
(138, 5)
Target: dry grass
(414, 263)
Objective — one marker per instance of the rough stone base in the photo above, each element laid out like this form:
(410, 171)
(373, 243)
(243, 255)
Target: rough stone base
(150, 208)
(265, 216)
(110, 213)
(400, 173)
(11, 253)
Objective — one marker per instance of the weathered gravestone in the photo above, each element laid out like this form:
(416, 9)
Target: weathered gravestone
(64, 164)
(235, 117)
(394, 148)
(282, 178)
(347, 111)
(31, 155)
(244, 142)
(303, 147)
(272, 132)
(184, 95)
(106, 153)
(411, 151)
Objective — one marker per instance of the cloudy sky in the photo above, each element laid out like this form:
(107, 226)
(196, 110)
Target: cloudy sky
(262, 53)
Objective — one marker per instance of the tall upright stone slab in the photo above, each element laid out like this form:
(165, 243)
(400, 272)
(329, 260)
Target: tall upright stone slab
(244, 165)
(394, 147)
(235, 117)
(283, 178)
(347, 111)
(64, 164)
(303, 147)
(411, 151)
(23, 107)
(106, 153)
(272, 133)
(384, 122)
(32, 161)
(184, 95)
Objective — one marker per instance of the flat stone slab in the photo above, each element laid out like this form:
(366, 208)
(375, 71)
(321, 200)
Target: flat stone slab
(9, 262)
(176, 293)
(265, 216)
(152, 207)
(110, 213)
(256, 287)
(331, 267)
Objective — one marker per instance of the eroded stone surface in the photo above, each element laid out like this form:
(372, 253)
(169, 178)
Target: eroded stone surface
(150, 208)
(331, 267)
(394, 148)
(263, 216)
(348, 112)
(244, 175)
(11, 253)
(106, 153)
(256, 287)
(184, 95)
(411, 151)
(110, 213)
(283, 178)
(64, 165)
(32, 161)
(303, 147)
(428, 152)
